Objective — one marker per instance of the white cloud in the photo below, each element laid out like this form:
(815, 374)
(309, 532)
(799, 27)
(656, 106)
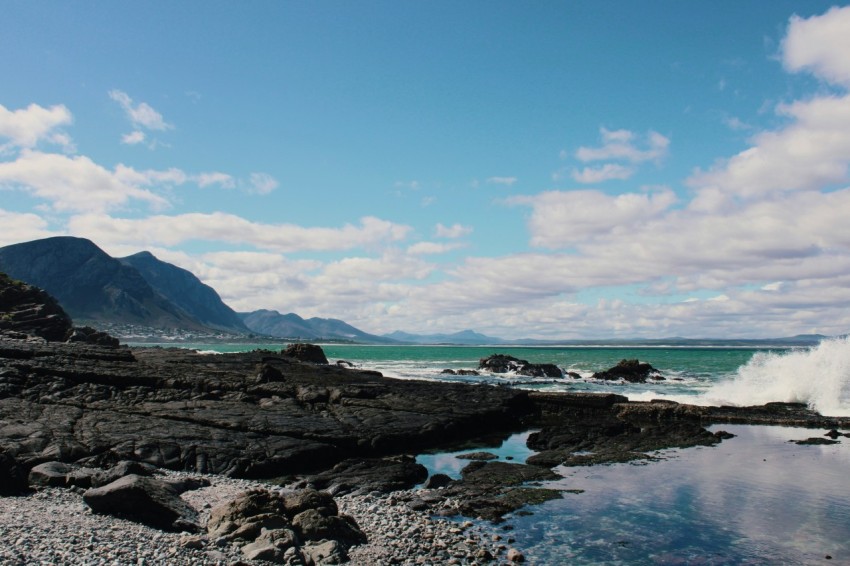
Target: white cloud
(262, 183)
(75, 183)
(140, 115)
(619, 145)
(453, 231)
(509, 181)
(561, 219)
(811, 152)
(820, 44)
(431, 248)
(215, 178)
(25, 128)
(606, 172)
(133, 138)
(221, 227)
(22, 227)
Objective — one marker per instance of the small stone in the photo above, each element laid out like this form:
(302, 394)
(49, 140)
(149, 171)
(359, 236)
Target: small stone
(515, 555)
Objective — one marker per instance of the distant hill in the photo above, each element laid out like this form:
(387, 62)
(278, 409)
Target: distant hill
(464, 337)
(89, 284)
(183, 289)
(292, 326)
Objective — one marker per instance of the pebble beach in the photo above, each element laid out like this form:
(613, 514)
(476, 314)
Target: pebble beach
(54, 526)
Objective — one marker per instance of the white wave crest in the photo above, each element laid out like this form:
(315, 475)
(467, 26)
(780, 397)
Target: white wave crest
(818, 376)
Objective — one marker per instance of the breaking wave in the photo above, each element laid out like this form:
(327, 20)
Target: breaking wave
(818, 376)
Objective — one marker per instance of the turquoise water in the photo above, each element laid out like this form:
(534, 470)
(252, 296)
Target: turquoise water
(818, 376)
(753, 499)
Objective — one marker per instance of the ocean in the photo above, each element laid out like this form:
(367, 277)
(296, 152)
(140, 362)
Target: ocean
(818, 376)
(757, 498)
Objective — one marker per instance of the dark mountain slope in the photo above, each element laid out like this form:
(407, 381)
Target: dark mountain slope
(89, 284)
(182, 288)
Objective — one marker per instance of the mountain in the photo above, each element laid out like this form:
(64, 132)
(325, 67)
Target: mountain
(464, 337)
(183, 289)
(89, 284)
(272, 323)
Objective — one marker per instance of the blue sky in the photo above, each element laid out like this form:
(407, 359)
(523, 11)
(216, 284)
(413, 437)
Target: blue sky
(555, 169)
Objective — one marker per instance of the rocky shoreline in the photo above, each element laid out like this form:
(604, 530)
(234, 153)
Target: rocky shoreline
(107, 417)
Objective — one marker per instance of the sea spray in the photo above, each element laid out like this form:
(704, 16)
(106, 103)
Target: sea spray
(818, 376)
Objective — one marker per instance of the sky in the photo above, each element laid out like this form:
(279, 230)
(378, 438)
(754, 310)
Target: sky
(575, 170)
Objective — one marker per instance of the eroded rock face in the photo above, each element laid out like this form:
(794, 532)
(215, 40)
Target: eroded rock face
(295, 527)
(29, 310)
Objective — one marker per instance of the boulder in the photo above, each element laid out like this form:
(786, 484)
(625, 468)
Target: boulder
(150, 501)
(121, 469)
(50, 474)
(285, 528)
(437, 481)
(310, 353)
(633, 371)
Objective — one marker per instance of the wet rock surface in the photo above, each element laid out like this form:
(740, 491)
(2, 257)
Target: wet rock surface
(501, 363)
(633, 371)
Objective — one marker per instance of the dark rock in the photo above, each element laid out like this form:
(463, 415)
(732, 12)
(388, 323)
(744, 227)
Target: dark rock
(309, 353)
(833, 434)
(313, 525)
(121, 469)
(504, 473)
(89, 335)
(814, 441)
(437, 481)
(13, 476)
(723, 435)
(29, 310)
(269, 525)
(364, 475)
(477, 456)
(632, 371)
(501, 363)
(145, 500)
(50, 474)
(574, 375)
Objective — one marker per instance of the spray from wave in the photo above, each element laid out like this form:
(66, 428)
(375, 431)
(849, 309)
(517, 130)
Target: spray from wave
(818, 376)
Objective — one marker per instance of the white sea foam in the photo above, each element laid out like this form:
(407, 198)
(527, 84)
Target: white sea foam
(818, 376)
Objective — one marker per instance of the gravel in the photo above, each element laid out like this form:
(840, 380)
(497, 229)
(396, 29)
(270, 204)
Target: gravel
(54, 526)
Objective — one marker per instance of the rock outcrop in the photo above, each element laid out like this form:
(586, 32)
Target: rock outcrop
(29, 310)
(296, 527)
(501, 363)
(633, 371)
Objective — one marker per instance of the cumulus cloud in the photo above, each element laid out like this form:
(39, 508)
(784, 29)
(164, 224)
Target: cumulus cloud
(607, 172)
(561, 219)
(22, 227)
(431, 248)
(620, 145)
(221, 227)
(141, 115)
(820, 44)
(453, 231)
(75, 183)
(26, 127)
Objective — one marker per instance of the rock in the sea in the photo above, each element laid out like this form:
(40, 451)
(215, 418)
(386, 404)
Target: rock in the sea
(501, 363)
(633, 371)
(310, 353)
(437, 481)
(150, 501)
(13, 477)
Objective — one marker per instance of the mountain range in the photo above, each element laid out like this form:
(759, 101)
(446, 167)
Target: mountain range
(143, 291)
